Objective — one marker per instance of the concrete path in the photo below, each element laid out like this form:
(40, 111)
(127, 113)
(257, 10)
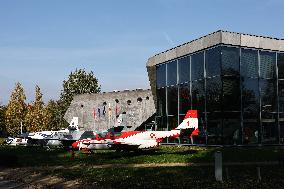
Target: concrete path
(144, 165)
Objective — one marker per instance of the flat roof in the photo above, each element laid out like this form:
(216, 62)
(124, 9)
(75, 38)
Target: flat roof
(215, 38)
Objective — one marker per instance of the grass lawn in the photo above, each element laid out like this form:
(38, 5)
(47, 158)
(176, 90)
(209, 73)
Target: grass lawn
(83, 166)
(175, 177)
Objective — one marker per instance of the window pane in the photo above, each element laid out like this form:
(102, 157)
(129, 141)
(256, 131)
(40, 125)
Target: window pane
(172, 100)
(251, 132)
(184, 69)
(249, 63)
(172, 73)
(161, 123)
(184, 98)
(232, 128)
(268, 96)
(281, 123)
(267, 65)
(213, 60)
(172, 122)
(269, 129)
(281, 98)
(250, 97)
(230, 61)
(213, 94)
(197, 66)
(161, 75)
(214, 127)
(198, 96)
(281, 109)
(161, 101)
(280, 64)
(231, 94)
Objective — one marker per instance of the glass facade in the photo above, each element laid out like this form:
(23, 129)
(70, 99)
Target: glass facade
(238, 92)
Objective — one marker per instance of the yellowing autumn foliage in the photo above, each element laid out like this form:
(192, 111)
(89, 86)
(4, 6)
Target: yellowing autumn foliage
(35, 119)
(16, 110)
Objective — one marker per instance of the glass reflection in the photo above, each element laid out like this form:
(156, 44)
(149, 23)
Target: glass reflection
(172, 73)
(281, 97)
(184, 69)
(214, 128)
(161, 101)
(232, 128)
(230, 61)
(161, 122)
(172, 100)
(268, 90)
(280, 65)
(231, 94)
(213, 62)
(198, 95)
(267, 64)
(213, 94)
(249, 63)
(227, 90)
(161, 75)
(250, 95)
(184, 98)
(197, 66)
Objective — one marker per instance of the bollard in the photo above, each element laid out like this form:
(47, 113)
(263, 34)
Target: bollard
(218, 166)
(72, 155)
(258, 174)
(227, 173)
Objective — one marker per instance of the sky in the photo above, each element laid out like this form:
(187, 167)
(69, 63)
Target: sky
(41, 42)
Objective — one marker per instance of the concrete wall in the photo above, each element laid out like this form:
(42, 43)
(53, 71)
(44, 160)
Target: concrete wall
(83, 106)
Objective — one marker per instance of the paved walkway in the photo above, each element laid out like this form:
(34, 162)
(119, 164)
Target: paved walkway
(31, 178)
(145, 165)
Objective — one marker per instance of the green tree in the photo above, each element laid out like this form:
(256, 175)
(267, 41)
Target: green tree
(3, 130)
(35, 119)
(16, 110)
(53, 116)
(79, 82)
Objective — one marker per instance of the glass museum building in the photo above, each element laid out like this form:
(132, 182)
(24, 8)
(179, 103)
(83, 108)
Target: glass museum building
(234, 80)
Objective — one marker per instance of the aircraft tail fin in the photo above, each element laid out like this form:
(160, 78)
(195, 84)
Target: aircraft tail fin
(74, 124)
(119, 120)
(190, 120)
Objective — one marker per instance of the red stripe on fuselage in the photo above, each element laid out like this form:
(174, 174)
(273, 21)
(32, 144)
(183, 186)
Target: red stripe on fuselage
(127, 134)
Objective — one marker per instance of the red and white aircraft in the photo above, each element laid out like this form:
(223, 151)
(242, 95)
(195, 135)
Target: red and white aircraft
(136, 139)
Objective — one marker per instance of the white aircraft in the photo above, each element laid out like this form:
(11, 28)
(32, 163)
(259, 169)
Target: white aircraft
(16, 141)
(136, 139)
(53, 138)
(49, 138)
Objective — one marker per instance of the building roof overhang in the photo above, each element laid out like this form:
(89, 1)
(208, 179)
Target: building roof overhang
(215, 38)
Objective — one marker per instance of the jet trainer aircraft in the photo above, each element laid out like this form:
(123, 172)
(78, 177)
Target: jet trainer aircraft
(46, 138)
(64, 137)
(136, 139)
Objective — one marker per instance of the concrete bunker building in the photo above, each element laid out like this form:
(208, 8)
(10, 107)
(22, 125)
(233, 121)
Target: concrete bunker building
(98, 112)
(234, 80)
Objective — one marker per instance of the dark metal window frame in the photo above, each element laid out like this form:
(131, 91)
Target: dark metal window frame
(241, 92)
